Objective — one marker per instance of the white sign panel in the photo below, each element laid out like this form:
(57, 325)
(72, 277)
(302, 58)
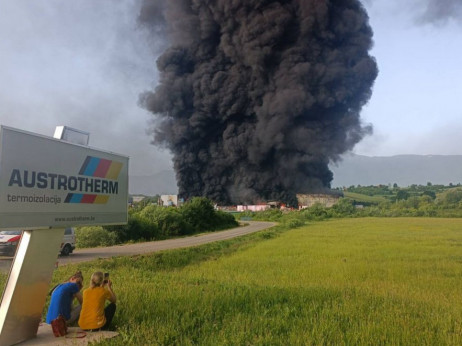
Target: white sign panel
(46, 182)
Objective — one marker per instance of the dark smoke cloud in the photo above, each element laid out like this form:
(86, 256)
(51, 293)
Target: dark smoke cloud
(440, 11)
(256, 97)
(152, 16)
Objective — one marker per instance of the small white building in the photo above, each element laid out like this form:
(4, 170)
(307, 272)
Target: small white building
(168, 200)
(308, 200)
(137, 199)
(257, 207)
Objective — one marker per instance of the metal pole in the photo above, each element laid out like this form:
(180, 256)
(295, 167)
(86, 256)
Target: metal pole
(28, 284)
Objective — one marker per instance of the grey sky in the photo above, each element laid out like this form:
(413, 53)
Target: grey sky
(83, 64)
(414, 107)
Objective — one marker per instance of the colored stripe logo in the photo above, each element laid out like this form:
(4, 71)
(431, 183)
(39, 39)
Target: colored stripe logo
(101, 168)
(97, 168)
(86, 198)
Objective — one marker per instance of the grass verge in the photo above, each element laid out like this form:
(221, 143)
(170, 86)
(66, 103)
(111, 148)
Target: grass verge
(346, 282)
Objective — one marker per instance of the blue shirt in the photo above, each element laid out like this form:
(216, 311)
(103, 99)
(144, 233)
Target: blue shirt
(61, 301)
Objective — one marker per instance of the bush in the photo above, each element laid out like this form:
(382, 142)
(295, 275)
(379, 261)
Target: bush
(292, 221)
(274, 215)
(93, 236)
(453, 197)
(156, 222)
(137, 228)
(200, 214)
(343, 208)
(167, 220)
(316, 212)
(224, 220)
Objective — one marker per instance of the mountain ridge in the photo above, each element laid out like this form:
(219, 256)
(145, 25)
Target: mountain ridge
(403, 170)
(352, 169)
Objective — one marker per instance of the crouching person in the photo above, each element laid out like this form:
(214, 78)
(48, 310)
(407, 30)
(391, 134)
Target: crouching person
(94, 316)
(62, 297)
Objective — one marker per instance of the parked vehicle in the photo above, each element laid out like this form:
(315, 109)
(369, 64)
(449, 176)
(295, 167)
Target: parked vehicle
(68, 244)
(9, 241)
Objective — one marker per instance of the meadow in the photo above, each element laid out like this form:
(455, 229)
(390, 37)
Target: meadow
(368, 281)
(363, 198)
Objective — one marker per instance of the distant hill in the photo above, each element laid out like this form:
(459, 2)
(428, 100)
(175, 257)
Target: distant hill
(403, 170)
(161, 183)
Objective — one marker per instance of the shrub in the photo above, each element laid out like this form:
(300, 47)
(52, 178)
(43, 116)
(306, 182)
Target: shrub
(453, 197)
(137, 228)
(316, 212)
(292, 222)
(344, 207)
(156, 222)
(93, 236)
(265, 215)
(224, 220)
(200, 214)
(167, 220)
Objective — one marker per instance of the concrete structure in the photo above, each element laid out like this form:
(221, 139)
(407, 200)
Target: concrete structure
(170, 201)
(308, 200)
(137, 199)
(257, 207)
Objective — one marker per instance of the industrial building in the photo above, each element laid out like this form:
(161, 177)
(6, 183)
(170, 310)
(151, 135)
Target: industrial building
(325, 199)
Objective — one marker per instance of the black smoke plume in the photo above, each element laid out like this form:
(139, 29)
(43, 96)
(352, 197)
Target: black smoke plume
(256, 97)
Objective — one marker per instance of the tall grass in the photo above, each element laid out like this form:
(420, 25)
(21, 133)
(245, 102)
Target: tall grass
(344, 282)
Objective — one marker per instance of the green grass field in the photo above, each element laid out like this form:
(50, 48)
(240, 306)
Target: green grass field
(358, 197)
(368, 281)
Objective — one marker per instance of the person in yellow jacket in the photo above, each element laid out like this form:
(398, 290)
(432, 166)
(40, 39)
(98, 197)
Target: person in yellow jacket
(94, 316)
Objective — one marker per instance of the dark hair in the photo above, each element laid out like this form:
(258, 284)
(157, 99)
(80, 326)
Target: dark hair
(77, 275)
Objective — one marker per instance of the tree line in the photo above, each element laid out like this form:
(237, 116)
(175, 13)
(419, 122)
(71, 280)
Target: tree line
(417, 202)
(148, 221)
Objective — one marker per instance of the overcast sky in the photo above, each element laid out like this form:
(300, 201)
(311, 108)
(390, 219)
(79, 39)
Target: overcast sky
(83, 64)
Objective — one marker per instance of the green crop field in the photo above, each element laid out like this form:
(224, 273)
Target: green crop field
(370, 281)
(358, 197)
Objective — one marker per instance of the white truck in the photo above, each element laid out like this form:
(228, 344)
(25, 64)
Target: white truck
(9, 241)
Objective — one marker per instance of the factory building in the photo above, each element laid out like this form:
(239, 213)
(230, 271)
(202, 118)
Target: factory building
(325, 199)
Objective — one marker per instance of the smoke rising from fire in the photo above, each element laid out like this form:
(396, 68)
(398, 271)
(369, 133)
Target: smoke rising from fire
(440, 11)
(256, 97)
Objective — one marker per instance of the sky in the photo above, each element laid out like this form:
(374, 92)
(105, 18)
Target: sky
(84, 64)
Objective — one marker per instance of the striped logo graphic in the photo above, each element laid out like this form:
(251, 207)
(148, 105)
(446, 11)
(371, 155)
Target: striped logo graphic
(101, 168)
(95, 167)
(86, 198)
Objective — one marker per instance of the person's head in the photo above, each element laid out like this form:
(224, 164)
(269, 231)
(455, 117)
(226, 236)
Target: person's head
(77, 278)
(96, 279)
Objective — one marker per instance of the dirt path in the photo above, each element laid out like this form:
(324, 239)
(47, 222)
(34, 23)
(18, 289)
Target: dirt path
(84, 255)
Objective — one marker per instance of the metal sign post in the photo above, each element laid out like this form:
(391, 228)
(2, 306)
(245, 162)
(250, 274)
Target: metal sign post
(45, 182)
(47, 185)
(28, 284)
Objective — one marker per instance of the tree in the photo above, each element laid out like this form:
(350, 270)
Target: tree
(453, 196)
(199, 213)
(430, 194)
(402, 195)
(344, 207)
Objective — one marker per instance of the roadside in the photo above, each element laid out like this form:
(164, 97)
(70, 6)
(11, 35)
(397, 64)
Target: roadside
(45, 335)
(85, 255)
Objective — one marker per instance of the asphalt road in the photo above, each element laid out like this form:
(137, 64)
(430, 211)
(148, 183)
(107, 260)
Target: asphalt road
(84, 255)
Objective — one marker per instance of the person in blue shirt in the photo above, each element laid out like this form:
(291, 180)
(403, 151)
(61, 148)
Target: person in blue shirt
(62, 298)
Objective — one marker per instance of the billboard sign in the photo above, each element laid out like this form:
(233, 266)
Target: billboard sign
(45, 182)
